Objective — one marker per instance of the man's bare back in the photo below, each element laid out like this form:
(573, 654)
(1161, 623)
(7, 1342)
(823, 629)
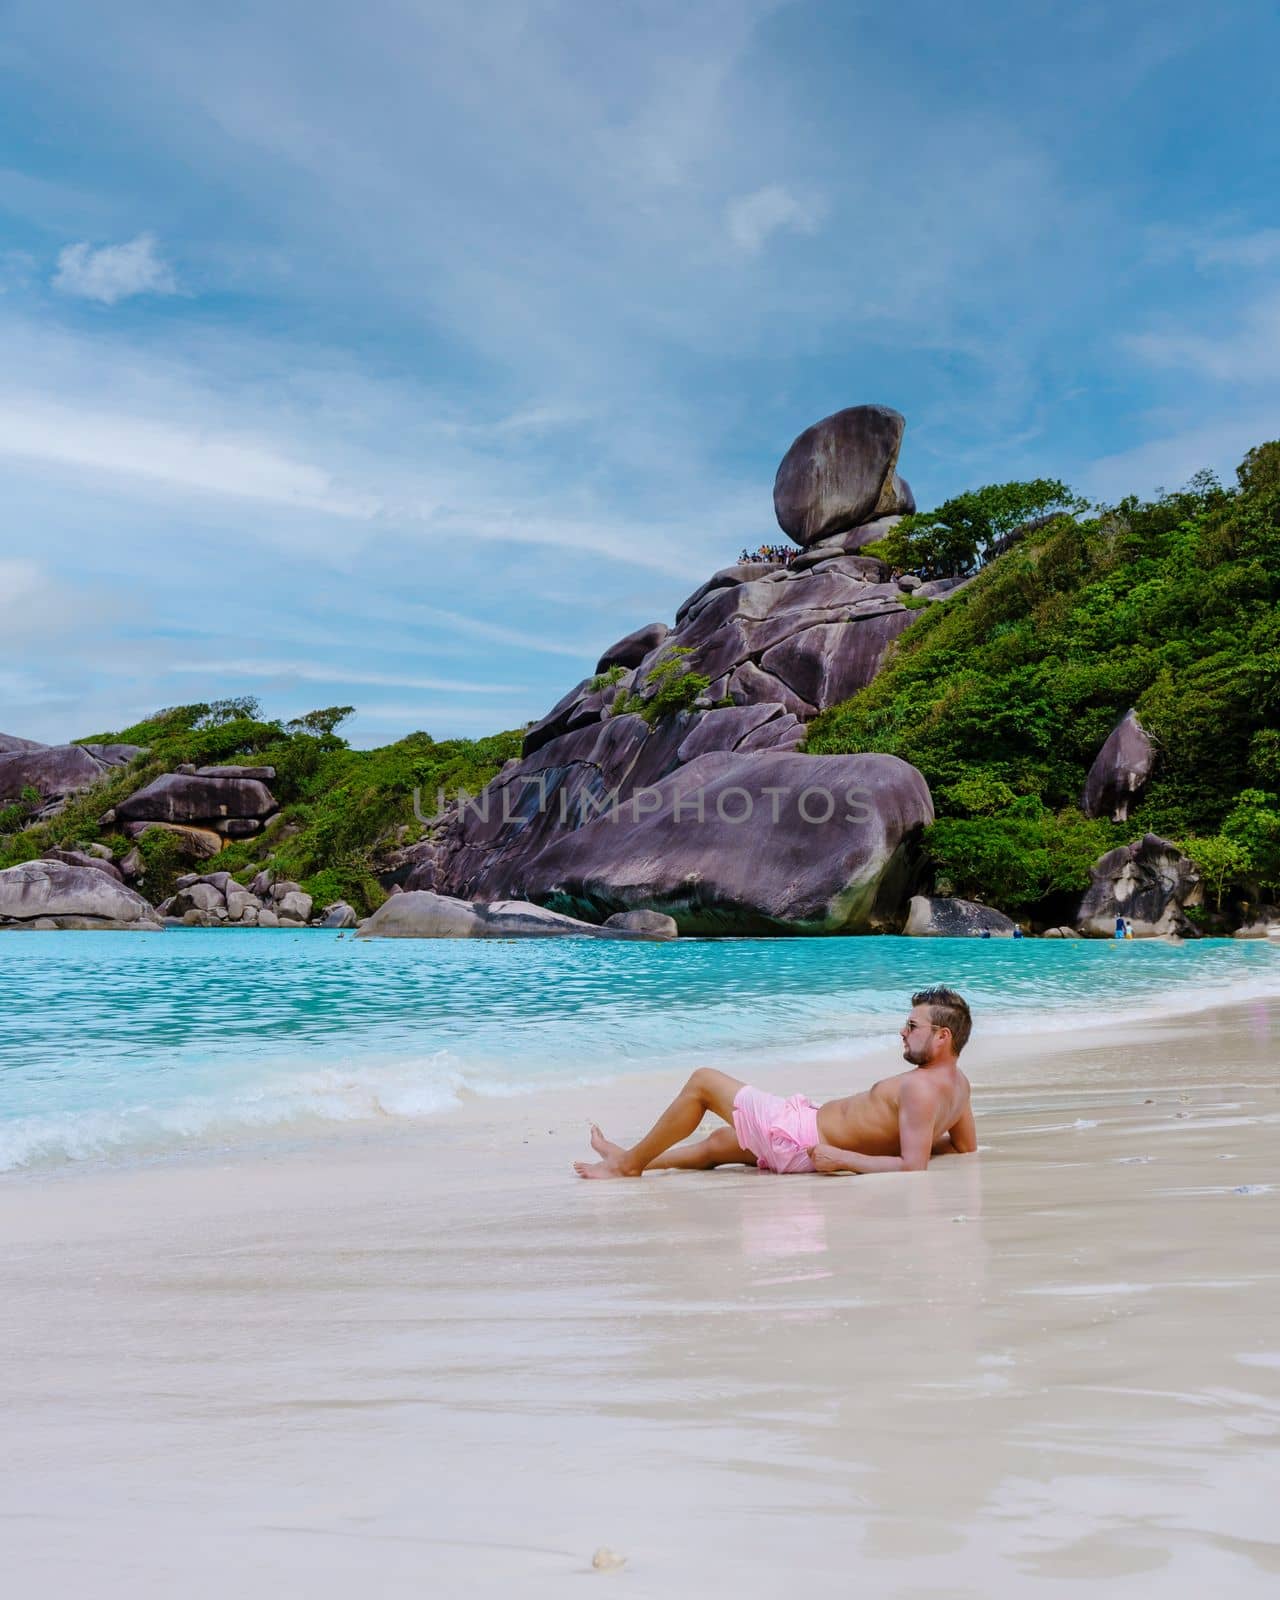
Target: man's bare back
(895, 1126)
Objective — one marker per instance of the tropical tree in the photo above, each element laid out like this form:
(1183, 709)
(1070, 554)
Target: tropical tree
(967, 530)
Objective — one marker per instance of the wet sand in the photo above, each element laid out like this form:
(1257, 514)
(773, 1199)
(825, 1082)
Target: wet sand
(433, 1363)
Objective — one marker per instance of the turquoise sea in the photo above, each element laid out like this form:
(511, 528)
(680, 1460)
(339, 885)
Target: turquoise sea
(122, 1046)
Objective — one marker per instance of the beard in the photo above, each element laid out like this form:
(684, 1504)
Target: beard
(917, 1058)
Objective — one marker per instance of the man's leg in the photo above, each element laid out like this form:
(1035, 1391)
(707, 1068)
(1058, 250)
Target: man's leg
(718, 1149)
(706, 1090)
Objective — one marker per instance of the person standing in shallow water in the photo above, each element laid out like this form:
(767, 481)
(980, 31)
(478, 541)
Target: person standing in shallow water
(895, 1126)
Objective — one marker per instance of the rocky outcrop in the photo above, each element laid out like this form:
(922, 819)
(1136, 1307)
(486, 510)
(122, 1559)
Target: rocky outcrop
(631, 650)
(768, 842)
(802, 640)
(841, 472)
(212, 797)
(1120, 771)
(338, 915)
(847, 544)
(420, 914)
(955, 919)
(58, 771)
(9, 742)
(483, 849)
(802, 636)
(214, 899)
(1150, 882)
(569, 823)
(728, 578)
(652, 924)
(55, 894)
(1264, 924)
(85, 858)
(291, 903)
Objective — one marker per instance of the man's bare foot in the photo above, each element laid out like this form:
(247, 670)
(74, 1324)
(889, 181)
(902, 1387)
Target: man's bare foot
(614, 1164)
(602, 1146)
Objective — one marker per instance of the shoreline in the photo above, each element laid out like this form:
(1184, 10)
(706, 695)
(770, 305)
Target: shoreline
(433, 1361)
(827, 1063)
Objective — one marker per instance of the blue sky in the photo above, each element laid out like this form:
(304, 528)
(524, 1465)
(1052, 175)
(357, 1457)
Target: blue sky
(405, 355)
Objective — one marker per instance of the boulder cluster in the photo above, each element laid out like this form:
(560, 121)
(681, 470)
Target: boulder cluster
(1149, 882)
(704, 812)
(420, 914)
(212, 899)
(802, 634)
(90, 893)
(202, 807)
(44, 895)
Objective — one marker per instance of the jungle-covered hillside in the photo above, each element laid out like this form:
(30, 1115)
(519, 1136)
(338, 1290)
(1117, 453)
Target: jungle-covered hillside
(1003, 696)
(338, 806)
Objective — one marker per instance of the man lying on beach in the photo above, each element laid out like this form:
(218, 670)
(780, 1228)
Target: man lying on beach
(895, 1126)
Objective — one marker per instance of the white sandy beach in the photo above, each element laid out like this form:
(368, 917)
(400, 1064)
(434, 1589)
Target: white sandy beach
(432, 1363)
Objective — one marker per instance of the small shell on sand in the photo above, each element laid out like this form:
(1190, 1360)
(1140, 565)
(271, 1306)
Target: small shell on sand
(606, 1560)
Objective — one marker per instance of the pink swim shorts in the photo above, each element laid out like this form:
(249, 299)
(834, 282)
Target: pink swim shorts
(779, 1133)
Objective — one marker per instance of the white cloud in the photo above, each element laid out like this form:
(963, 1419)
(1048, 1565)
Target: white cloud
(1215, 242)
(55, 612)
(19, 580)
(752, 218)
(204, 459)
(1170, 460)
(1259, 249)
(114, 271)
(308, 432)
(449, 503)
(1249, 353)
(496, 633)
(335, 672)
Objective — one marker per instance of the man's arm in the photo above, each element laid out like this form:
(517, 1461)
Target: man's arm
(916, 1103)
(964, 1135)
(961, 1139)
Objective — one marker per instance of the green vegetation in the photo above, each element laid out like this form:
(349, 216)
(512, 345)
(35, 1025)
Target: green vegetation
(17, 814)
(1245, 854)
(338, 807)
(1219, 861)
(991, 843)
(672, 688)
(606, 679)
(1003, 695)
(970, 529)
(1021, 857)
(163, 863)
